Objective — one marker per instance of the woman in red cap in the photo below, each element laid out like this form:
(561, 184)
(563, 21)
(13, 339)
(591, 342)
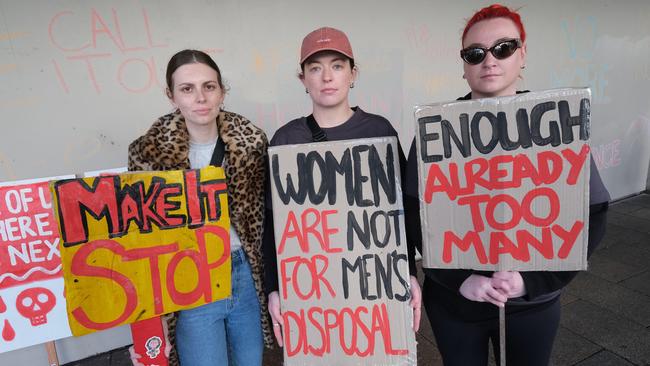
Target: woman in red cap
(462, 305)
(327, 73)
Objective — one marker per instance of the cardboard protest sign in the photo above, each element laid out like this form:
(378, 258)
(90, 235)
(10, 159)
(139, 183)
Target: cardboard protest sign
(139, 245)
(342, 258)
(109, 171)
(504, 182)
(32, 305)
(149, 340)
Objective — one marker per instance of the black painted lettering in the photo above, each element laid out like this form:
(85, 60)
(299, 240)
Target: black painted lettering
(426, 137)
(359, 178)
(448, 131)
(363, 234)
(380, 175)
(536, 122)
(380, 242)
(476, 132)
(405, 283)
(314, 159)
(343, 168)
(290, 193)
(523, 132)
(567, 121)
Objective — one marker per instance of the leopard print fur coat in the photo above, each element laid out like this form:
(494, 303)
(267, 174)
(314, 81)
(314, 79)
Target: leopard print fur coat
(165, 146)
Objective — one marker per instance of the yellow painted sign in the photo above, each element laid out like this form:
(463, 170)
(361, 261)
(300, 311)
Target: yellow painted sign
(139, 245)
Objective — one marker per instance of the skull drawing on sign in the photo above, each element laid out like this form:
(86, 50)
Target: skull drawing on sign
(34, 304)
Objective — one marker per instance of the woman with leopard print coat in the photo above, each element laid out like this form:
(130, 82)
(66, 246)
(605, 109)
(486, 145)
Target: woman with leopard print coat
(234, 329)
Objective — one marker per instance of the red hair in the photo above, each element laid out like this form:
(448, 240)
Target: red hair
(496, 11)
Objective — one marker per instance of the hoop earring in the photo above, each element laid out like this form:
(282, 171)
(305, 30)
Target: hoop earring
(306, 91)
(352, 85)
(523, 67)
(464, 76)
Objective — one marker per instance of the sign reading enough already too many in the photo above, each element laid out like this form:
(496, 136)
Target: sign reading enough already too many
(504, 182)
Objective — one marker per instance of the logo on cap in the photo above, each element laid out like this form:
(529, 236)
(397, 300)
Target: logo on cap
(325, 39)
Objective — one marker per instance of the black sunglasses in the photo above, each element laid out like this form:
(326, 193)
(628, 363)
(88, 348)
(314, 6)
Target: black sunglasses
(503, 49)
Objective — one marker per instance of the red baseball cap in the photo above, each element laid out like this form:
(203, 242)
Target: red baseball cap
(325, 39)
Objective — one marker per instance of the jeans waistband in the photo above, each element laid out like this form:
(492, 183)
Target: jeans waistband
(238, 256)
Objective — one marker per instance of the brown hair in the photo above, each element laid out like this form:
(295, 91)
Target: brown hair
(185, 57)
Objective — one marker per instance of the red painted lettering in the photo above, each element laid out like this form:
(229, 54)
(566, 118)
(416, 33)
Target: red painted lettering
(99, 201)
(315, 267)
(355, 327)
(471, 239)
(577, 161)
(152, 253)
(512, 204)
(568, 237)
(553, 203)
(544, 247)
(312, 222)
(194, 210)
(80, 267)
(501, 244)
(475, 210)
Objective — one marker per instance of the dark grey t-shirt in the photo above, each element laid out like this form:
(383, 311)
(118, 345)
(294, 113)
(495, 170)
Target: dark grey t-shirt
(360, 125)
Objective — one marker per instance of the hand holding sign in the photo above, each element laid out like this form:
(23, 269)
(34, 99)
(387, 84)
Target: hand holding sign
(479, 288)
(509, 283)
(276, 316)
(416, 302)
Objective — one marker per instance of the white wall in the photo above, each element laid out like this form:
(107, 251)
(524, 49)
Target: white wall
(81, 79)
(647, 186)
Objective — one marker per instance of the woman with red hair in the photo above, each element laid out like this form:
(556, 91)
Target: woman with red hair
(462, 305)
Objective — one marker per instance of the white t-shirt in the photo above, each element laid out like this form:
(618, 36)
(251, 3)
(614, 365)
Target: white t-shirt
(200, 156)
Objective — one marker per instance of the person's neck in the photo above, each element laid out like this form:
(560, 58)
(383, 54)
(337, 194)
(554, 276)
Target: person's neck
(332, 117)
(503, 93)
(203, 134)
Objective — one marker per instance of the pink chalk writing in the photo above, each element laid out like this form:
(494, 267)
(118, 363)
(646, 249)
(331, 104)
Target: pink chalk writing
(104, 51)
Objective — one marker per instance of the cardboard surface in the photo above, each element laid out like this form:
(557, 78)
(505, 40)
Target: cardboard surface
(504, 182)
(149, 339)
(139, 245)
(342, 257)
(32, 303)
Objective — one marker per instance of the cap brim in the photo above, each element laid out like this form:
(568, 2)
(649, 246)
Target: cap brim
(325, 49)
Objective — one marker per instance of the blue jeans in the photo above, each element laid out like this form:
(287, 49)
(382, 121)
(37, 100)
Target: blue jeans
(225, 332)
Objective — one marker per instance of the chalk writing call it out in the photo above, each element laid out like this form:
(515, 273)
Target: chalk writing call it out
(104, 32)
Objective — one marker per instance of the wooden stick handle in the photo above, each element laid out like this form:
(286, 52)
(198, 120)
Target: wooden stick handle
(502, 336)
(52, 358)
